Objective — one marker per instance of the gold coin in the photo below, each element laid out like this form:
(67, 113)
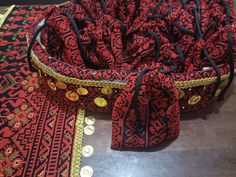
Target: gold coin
(218, 92)
(224, 83)
(82, 91)
(89, 120)
(194, 99)
(51, 85)
(100, 102)
(89, 130)
(72, 96)
(86, 171)
(40, 73)
(87, 151)
(181, 93)
(106, 90)
(61, 85)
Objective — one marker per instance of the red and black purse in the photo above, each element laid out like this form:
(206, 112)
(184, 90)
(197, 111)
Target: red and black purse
(145, 61)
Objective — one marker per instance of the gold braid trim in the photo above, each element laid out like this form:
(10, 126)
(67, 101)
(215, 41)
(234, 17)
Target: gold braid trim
(71, 80)
(198, 82)
(3, 17)
(78, 142)
(120, 85)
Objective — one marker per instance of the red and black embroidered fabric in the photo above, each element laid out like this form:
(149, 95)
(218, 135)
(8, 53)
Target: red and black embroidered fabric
(148, 44)
(149, 114)
(37, 127)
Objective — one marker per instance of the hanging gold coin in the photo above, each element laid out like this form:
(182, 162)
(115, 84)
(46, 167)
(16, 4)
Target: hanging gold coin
(52, 85)
(61, 85)
(181, 93)
(106, 90)
(89, 130)
(218, 92)
(100, 102)
(89, 120)
(72, 96)
(194, 99)
(40, 73)
(86, 171)
(82, 91)
(87, 151)
(224, 83)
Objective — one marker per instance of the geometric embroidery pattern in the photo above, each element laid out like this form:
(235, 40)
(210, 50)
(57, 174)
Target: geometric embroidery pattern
(36, 126)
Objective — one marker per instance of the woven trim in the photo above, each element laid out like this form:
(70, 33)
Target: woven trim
(71, 80)
(120, 85)
(4, 16)
(78, 142)
(198, 82)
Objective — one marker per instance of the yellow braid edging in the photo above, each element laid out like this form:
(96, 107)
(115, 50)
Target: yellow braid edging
(4, 16)
(78, 143)
(112, 84)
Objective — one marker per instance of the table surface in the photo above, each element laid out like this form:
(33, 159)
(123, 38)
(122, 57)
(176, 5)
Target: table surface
(206, 147)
